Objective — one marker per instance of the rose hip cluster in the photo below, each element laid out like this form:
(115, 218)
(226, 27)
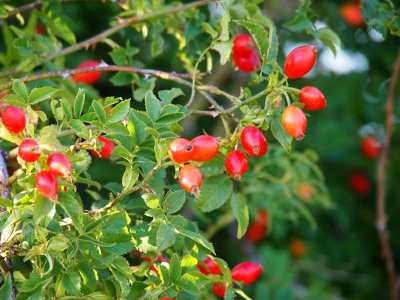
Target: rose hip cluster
(204, 147)
(200, 149)
(246, 272)
(297, 64)
(57, 164)
(244, 54)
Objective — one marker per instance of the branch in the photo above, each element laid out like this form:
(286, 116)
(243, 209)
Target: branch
(121, 25)
(381, 183)
(6, 266)
(101, 68)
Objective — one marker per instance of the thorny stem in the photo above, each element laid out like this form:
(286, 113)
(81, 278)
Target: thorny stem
(131, 190)
(381, 183)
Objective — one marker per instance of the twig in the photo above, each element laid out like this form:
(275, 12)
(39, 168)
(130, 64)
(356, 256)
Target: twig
(126, 192)
(381, 183)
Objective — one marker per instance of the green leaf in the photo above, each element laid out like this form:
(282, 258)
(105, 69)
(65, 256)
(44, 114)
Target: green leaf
(80, 129)
(72, 283)
(3, 14)
(241, 212)
(299, 23)
(79, 103)
(165, 236)
(153, 105)
(58, 243)
(151, 200)
(188, 286)
(174, 268)
(88, 275)
(130, 177)
(122, 242)
(122, 282)
(36, 291)
(60, 29)
(43, 211)
(4, 202)
(66, 106)
(174, 201)
(329, 38)
(20, 89)
(211, 31)
(225, 22)
(39, 94)
(281, 135)
(136, 127)
(214, 192)
(72, 207)
(166, 96)
(7, 286)
(119, 112)
(121, 78)
(98, 108)
(170, 118)
(224, 49)
(196, 237)
(259, 35)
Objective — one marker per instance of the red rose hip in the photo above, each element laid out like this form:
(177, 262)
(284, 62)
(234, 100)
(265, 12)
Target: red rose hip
(180, 150)
(205, 147)
(247, 272)
(106, 150)
(47, 185)
(59, 164)
(212, 267)
(236, 164)
(29, 150)
(190, 179)
(294, 121)
(243, 45)
(89, 77)
(13, 119)
(247, 64)
(300, 61)
(219, 289)
(253, 141)
(312, 98)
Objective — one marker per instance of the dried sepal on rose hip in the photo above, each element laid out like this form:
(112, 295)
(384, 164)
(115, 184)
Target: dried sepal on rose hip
(190, 179)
